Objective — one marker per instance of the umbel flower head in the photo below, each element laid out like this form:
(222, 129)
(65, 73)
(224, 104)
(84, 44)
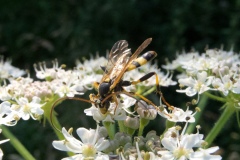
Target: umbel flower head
(213, 71)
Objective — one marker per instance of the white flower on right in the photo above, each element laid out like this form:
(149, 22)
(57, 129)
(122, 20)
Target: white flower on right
(178, 115)
(205, 154)
(196, 85)
(185, 146)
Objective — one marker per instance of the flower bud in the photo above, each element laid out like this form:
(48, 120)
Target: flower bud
(132, 122)
(122, 138)
(146, 111)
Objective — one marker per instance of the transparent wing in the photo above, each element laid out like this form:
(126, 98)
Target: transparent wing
(130, 59)
(120, 49)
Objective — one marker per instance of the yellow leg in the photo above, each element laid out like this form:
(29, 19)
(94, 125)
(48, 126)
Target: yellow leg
(147, 76)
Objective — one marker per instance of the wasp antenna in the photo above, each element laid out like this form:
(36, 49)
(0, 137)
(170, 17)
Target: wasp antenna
(52, 109)
(62, 99)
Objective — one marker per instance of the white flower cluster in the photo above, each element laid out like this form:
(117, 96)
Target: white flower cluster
(174, 145)
(216, 70)
(25, 98)
(22, 97)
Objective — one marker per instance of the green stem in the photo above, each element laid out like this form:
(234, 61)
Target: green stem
(121, 126)
(202, 104)
(143, 123)
(215, 97)
(110, 129)
(17, 144)
(149, 91)
(227, 113)
(130, 131)
(53, 121)
(56, 125)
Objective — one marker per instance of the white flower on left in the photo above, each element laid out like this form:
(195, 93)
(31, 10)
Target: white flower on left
(90, 147)
(2, 141)
(25, 109)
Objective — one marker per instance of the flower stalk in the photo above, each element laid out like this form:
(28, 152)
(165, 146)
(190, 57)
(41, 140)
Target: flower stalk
(225, 116)
(17, 144)
(143, 123)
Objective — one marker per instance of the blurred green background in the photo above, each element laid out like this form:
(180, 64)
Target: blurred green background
(42, 30)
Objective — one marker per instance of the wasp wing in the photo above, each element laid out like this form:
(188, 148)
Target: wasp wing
(119, 50)
(133, 57)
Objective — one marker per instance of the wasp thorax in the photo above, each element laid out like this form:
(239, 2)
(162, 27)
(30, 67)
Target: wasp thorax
(104, 88)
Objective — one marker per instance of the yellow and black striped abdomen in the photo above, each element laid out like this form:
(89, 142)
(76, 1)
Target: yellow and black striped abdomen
(146, 57)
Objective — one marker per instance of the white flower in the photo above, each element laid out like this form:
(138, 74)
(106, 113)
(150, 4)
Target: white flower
(205, 154)
(179, 147)
(1, 142)
(224, 84)
(48, 73)
(8, 71)
(181, 60)
(4, 93)
(6, 116)
(178, 115)
(66, 88)
(198, 85)
(25, 109)
(114, 112)
(90, 146)
(183, 146)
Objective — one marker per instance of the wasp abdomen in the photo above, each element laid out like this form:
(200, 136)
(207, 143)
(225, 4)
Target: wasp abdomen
(146, 57)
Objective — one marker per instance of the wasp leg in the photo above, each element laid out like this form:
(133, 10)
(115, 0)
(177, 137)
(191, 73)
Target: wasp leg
(116, 102)
(131, 94)
(147, 76)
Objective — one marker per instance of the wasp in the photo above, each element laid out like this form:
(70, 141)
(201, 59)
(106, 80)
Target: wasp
(121, 60)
